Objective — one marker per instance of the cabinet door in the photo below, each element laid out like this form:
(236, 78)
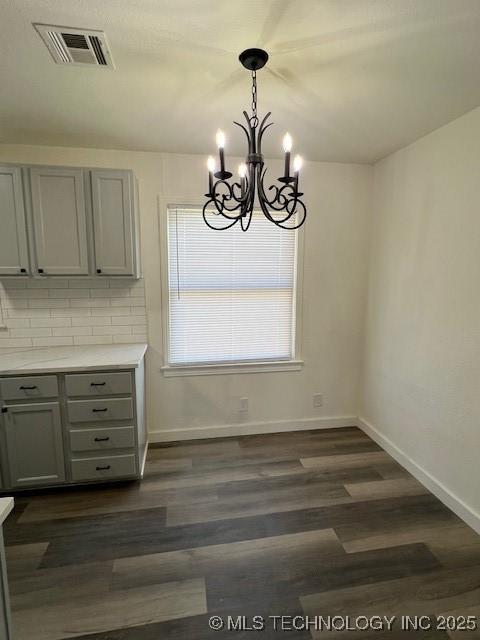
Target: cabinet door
(113, 222)
(13, 236)
(59, 221)
(34, 444)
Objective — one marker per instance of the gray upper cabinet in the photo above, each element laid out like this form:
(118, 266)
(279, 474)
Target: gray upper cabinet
(13, 236)
(33, 435)
(68, 221)
(114, 222)
(59, 221)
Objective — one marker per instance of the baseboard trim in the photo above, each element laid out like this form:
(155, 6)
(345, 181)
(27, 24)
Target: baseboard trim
(456, 504)
(251, 428)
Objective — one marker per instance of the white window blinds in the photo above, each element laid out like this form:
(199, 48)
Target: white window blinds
(231, 294)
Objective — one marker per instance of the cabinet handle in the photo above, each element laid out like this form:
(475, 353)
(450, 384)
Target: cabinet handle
(105, 468)
(102, 439)
(99, 271)
(24, 388)
(4, 410)
(23, 271)
(99, 410)
(97, 384)
(40, 270)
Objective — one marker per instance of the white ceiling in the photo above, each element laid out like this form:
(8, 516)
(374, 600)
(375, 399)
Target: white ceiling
(352, 80)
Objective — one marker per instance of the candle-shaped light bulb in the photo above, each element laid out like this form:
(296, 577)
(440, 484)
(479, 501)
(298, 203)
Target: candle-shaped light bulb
(287, 143)
(297, 164)
(287, 147)
(211, 169)
(220, 138)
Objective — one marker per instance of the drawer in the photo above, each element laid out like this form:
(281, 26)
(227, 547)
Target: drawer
(99, 384)
(29, 387)
(103, 468)
(100, 410)
(101, 439)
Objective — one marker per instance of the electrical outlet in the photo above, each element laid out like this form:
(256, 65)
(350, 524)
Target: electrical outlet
(243, 404)
(317, 400)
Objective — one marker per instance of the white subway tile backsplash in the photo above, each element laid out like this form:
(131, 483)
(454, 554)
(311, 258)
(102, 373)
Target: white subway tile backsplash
(50, 322)
(47, 303)
(72, 331)
(111, 311)
(110, 293)
(27, 293)
(91, 321)
(17, 323)
(14, 283)
(128, 320)
(94, 340)
(14, 303)
(132, 302)
(139, 329)
(52, 342)
(36, 332)
(70, 313)
(26, 313)
(137, 293)
(60, 311)
(109, 330)
(89, 302)
(129, 339)
(69, 293)
(86, 283)
(47, 283)
(15, 342)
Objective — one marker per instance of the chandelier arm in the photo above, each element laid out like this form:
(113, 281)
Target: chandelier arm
(221, 200)
(260, 136)
(204, 214)
(286, 204)
(246, 219)
(242, 127)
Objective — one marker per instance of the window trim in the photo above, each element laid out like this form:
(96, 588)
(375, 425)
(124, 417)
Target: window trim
(295, 363)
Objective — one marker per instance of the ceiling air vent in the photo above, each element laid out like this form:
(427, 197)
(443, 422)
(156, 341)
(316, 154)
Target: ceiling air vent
(76, 46)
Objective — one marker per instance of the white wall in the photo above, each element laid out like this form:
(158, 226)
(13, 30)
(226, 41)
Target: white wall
(422, 352)
(338, 197)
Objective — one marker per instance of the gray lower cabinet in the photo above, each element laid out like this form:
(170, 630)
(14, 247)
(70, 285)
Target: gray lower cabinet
(71, 428)
(33, 434)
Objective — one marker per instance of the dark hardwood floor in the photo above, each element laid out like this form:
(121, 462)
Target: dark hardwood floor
(312, 523)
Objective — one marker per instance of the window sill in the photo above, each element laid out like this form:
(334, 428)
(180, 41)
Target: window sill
(238, 367)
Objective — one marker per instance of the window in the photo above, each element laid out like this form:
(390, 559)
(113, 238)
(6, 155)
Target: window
(231, 295)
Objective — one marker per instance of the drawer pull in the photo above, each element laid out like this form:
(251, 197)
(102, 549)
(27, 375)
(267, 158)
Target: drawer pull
(100, 410)
(97, 384)
(105, 468)
(102, 439)
(24, 388)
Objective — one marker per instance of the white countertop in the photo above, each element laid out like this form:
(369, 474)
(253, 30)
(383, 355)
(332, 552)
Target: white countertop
(63, 359)
(6, 505)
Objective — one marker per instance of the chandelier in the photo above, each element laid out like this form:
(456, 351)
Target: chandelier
(231, 202)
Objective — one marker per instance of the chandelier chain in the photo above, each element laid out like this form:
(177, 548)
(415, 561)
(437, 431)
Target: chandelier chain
(254, 118)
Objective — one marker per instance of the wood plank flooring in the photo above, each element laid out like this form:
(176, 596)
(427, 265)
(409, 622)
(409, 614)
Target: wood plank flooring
(307, 523)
